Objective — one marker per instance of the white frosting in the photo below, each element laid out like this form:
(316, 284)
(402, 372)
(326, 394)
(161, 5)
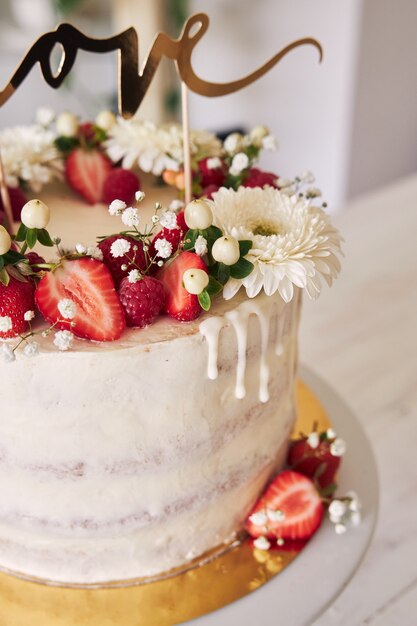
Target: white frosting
(122, 460)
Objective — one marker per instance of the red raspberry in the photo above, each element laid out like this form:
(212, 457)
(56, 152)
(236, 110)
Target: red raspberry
(142, 300)
(137, 257)
(120, 184)
(258, 178)
(17, 200)
(15, 300)
(212, 176)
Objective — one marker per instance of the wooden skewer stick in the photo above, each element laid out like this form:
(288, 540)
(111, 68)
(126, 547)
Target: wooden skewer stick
(5, 198)
(186, 142)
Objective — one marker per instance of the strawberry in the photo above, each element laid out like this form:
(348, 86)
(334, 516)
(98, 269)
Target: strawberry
(34, 258)
(17, 200)
(316, 463)
(120, 184)
(290, 508)
(180, 304)
(88, 283)
(141, 300)
(15, 300)
(137, 257)
(86, 171)
(181, 221)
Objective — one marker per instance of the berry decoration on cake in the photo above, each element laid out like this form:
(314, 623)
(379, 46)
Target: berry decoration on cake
(120, 184)
(142, 299)
(86, 172)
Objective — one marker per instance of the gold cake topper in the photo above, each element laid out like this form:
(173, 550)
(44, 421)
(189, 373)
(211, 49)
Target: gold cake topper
(134, 82)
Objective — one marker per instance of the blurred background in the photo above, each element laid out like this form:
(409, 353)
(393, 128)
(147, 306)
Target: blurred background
(351, 120)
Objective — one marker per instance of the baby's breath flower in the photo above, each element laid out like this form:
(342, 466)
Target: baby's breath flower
(176, 205)
(340, 529)
(313, 440)
(155, 219)
(233, 143)
(31, 349)
(95, 253)
(275, 516)
(330, 433)
(338, 447)
(269, 143)
(214, 163)
(67, 308)
(160, 263)
(28, 316)
(130, 217)
(163, 247)
(262, 543)
(134, 276)
(6, 324)
(63, 339)
(44, 116)
(80, 248)
(119, 248)
(259, 518)
(116, 207)
(7, 353)
(139, 195)
(239, 163)
(168, 220)
(200, 245)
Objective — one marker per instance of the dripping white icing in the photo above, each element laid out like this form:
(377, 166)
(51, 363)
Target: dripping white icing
(239, 320)
(279, 346)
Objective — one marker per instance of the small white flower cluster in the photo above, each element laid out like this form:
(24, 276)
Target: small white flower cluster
(67, 308)
(262, 518)
(163, 248)
(259, 137)
(119, 248)
(298, 186)
(6, 324)
(168, 220)
(337, 445)
(63, 340)
(29, 154)
(93, 251)
(344, 512)
(129, 215)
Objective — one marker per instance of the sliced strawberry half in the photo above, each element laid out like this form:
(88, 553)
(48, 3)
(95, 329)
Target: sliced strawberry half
(88, 283)
(290, 508)
(86, 171)
(180, 304)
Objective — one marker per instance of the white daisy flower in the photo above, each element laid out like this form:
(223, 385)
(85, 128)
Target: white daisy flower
(294, 243)
(63, 339)
(163, 248)
(67, 308)
(119, 248)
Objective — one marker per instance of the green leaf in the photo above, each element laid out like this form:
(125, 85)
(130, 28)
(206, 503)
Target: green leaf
(12, 257)
(66, 144)
(2, 261)
(213, 287)
(21, 233)
(244, 246)
(190, 239)
(241, 269)
(31, 237)
(223, 273)
(44, 238)
(204, 300)
(4, 277)
(328, 491)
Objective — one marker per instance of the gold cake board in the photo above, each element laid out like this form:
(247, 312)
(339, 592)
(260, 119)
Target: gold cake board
(172, 600)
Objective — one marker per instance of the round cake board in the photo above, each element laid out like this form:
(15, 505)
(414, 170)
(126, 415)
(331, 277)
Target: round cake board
(297, 595)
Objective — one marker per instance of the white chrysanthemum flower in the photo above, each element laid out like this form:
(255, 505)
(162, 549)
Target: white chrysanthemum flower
(156, 148)
(63, 339)
(294, 243)
(134, 276)
(29, 154)
(67, 308)
(239, 163)
(28, 316)
(119, 248)
(168, 219)
(200, 245)
(6, 324)
(163, 248)
(95, 253)
(116, 207)
(7, 353)
(31, 349)
(130, 217)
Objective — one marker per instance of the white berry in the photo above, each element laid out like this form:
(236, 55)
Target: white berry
(5, 240)
(195, 281)
(198, 214)
(105, 119)
(35, 214)
(67, 124)
(226, 250)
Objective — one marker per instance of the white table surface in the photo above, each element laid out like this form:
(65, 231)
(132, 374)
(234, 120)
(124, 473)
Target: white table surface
(361, 336)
